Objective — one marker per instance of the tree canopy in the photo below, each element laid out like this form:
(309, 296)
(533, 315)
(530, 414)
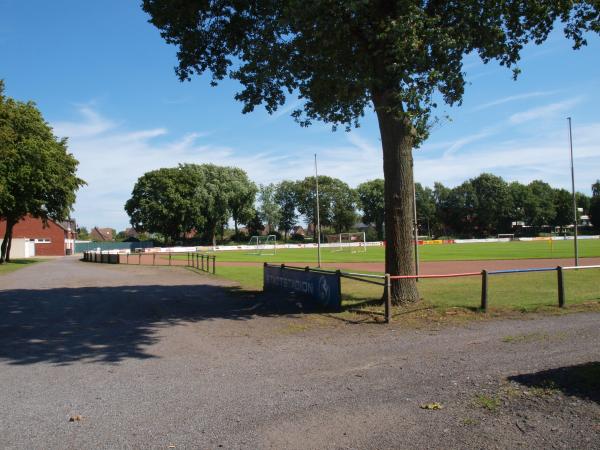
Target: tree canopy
(168, 201)
(338, 55)
(269, 209)
(337, 202)
(37, 173)
(285, 197)
(371, 201)
(191, 198)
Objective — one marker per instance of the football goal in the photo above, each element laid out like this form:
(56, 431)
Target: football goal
(347, 242)
(509, 236)
(263, 245)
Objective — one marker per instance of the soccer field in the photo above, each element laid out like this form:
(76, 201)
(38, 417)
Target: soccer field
(449, 252)
(515, 292)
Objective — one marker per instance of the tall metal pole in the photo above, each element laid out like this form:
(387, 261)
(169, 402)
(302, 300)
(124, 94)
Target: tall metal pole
(318, 230)
(415, 231)
(573, 191)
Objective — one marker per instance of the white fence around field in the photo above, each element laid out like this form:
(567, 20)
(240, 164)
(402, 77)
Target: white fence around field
(221, 248)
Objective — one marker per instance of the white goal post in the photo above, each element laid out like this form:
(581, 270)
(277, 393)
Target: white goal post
(263, 245)
(352, 242)
(508, 236)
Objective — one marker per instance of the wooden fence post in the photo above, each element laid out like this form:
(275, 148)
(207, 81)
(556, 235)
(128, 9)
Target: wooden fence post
(484, 290)
(561, 287)
(214, 264)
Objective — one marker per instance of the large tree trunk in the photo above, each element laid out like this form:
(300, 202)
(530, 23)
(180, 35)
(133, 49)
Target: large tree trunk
(6, 242)
(397, 138)
(379, 230)
(8, 247)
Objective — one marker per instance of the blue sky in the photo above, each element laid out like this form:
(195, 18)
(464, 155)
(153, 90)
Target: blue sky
(103, 77)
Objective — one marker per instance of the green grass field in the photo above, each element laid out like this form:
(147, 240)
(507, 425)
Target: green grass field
(450, 252)
(515, 292)
(17, 264)
(523, 292)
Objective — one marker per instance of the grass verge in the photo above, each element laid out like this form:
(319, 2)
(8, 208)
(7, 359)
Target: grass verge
(17, 264)
(459, 297)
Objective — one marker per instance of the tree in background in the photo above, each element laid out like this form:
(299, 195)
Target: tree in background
(255, 225)
(371, 202)
(191, 197)
(168, 201)
(337, 202)
(286, 199)
(341, 57)
(463, 204)
(242, 194)
(563, 208)
(268, 209)
(343, 206)
(539, 208)
(441, 196)
(595, 205)
(426, 214)
(37, 173)
(519, 197)
(596, 189)
(83, 234)
(492, 205)
(583, 201)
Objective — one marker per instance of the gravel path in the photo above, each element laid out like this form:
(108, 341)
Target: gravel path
(153, 357)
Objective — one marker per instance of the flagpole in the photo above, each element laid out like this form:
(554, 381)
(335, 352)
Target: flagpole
(574, 197)
(318, 230)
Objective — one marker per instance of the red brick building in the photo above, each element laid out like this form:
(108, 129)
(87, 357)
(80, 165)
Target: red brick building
(52, 239)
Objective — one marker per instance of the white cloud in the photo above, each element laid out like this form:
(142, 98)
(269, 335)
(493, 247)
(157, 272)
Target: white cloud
(112, 158)
(455, 146)
(512, 98)
(92, 125)
(543, 112)
(544, 155)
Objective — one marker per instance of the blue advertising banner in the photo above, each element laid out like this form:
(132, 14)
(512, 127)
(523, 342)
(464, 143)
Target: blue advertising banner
(323, 287)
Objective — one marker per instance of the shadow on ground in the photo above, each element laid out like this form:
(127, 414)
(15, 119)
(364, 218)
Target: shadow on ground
(109, 324)
(582, 380)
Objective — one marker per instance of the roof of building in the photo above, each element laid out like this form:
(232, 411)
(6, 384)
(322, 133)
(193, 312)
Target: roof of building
(105, 234)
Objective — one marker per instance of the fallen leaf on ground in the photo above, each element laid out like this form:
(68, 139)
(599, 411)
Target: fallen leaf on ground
(434, 405)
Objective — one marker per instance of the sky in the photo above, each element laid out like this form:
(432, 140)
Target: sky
(103, 77)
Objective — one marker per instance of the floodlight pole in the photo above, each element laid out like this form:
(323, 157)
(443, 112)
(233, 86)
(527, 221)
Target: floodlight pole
(318, 230)
(574, 197)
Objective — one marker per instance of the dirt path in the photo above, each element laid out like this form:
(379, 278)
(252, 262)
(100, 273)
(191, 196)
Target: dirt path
(155, 356)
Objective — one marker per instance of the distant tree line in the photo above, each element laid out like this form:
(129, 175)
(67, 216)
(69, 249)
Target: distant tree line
(201, 200)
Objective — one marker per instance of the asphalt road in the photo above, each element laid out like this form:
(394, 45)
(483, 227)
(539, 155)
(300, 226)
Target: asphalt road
(156, 357)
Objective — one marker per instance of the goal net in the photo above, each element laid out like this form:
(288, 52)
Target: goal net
(263, 245)
(508, 236)
(347, 242)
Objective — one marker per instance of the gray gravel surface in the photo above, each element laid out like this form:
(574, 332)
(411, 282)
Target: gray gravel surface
(155, 357)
